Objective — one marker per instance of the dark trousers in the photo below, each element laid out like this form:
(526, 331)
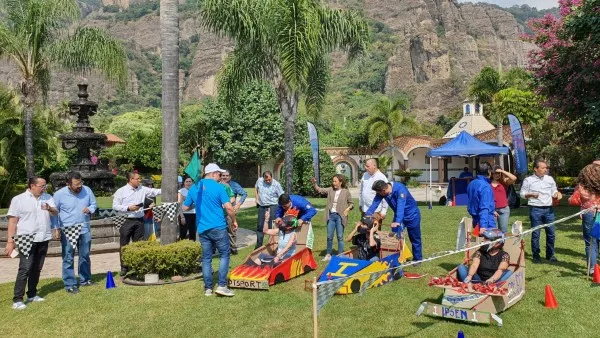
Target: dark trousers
(189, 229)
(539, 216)
(232, 236)
(131, 231)
(262, 210)
(29, 271)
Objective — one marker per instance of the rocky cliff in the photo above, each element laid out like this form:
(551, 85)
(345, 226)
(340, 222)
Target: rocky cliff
(441, 46)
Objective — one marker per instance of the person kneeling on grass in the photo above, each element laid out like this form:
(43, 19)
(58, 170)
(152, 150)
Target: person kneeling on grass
(366, 238)
(286, 243)
(490, 262)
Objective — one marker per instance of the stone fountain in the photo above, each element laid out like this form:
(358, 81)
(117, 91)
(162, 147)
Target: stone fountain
(83, 139)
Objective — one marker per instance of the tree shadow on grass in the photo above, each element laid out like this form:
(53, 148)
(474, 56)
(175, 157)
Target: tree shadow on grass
(47, 289)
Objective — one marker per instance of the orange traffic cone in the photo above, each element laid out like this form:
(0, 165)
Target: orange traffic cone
(596, 279)
(550, 299)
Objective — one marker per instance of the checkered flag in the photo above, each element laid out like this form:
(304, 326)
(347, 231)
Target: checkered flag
(372, 279)
(24, 243)
(167, 209)
(326, 290)
(72, 233)
(119, 221)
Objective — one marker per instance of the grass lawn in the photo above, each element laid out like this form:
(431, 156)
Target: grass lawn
(285, 310)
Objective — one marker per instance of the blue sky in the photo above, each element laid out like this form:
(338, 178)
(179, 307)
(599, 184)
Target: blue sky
(540, 4)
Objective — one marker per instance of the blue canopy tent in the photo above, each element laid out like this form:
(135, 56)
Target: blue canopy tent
(463, 145)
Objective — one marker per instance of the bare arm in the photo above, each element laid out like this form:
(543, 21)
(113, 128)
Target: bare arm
(288, 246)
(349, 238)
(11, 231)
(473, 268)
(509, 178)
(501, 268)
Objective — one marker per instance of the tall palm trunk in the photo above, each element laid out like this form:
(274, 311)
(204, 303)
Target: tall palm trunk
(391, 175)
(169, 35)
(288, 104)
(29, 97)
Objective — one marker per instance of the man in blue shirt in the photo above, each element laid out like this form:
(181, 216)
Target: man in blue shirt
(406, 212)
(481, 199)
(236, 188)
(267, 191)
(75, 204)
(466, 173)
(210, 198)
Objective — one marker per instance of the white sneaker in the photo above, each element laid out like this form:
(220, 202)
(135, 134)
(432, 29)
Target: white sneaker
(224, 291)
(327, 258)
(208, 292)
(19, 306)
(35, 299)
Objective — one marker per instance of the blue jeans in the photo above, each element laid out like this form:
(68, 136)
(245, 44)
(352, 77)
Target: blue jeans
(591, 244)
(68, 267)
(209, 239)
(540, 216)
(462, 271)
(335, 224)
(503, 216)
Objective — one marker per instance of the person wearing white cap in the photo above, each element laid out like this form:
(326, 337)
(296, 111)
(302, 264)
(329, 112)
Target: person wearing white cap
(209, 198)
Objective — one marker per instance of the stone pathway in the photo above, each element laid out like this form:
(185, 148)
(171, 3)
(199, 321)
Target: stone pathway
(101, 263)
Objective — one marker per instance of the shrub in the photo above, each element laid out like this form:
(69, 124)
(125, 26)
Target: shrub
(407, 174)
(565, 181)
(176, 259)
(303, 171)
(120, 181)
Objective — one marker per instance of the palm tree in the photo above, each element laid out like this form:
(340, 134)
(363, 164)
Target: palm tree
(285, 42)
(169, 36)
(388, 121)
(37, 35)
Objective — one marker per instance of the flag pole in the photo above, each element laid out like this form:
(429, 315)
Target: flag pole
(314, 294)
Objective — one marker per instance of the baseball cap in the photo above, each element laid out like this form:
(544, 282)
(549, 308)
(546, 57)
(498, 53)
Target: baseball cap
(211, 168)
(493, 234)
(368, 221)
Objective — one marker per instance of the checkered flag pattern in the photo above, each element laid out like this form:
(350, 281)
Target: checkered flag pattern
(372, 278)
(72, 233)
(326, 290)
(167, 209)
(24, 243)
(119, 221)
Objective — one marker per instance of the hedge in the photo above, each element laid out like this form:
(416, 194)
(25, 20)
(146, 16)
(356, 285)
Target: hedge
(176, 259)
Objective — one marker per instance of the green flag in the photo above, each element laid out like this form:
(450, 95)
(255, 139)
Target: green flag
(194, 167)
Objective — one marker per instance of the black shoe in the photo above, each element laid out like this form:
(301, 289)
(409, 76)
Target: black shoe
(87, 283)
(553, 259)
(73, 290)
(233, 252)
(537, 260)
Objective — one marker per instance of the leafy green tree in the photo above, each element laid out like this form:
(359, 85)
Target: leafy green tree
(387, 121)
(285, 43)
(524, 104)
(304, 172)
(35, 35)
(250, 133)
(144, 149)
(126, 124)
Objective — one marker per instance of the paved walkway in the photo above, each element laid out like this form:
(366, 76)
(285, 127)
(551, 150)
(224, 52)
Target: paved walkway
(101, 263)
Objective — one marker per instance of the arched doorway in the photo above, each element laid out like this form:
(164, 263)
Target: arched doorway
(344, 168)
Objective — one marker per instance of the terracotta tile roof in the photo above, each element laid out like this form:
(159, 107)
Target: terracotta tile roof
(112, 138)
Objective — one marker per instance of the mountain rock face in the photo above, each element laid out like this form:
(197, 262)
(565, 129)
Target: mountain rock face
(441, 46)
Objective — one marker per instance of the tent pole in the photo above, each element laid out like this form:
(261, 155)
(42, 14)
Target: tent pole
(430, 182)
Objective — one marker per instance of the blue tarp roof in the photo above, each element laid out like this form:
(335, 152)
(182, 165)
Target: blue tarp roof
(465, 145)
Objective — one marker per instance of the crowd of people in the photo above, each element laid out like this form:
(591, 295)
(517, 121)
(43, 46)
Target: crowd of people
(209, 209)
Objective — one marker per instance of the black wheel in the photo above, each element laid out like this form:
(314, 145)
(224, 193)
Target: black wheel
(397, 274)
(279, 278)
(355, 286)
(307, 268)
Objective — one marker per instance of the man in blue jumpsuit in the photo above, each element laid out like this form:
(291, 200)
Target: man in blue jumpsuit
(481, 199)
(294, 205)
(406, 212)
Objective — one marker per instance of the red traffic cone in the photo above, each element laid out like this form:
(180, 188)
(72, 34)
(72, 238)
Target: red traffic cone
(550, 299)
(476, 231)
(596, 279)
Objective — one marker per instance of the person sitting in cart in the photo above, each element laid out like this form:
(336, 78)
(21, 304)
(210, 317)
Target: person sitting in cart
(490, 262)
(286, 243)
(366, 238)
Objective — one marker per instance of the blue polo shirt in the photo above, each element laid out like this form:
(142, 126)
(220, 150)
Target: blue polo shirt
(209, 196)
(401, 201)
(70, 207)
(481, 202)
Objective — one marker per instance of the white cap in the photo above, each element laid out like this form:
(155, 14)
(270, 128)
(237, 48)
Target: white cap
(211, 168)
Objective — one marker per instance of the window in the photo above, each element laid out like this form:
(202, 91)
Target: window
(449, 160)
(427, 159)
(466, 160)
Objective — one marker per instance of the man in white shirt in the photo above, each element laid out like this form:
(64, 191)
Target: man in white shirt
(129, 199)
(367, 194)
(29, 213)
(539, 189)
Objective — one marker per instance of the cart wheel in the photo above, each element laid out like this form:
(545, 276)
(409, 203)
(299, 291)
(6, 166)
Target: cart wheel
(355, 286)
(307, 268)
(397, 274)
(279, 278)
